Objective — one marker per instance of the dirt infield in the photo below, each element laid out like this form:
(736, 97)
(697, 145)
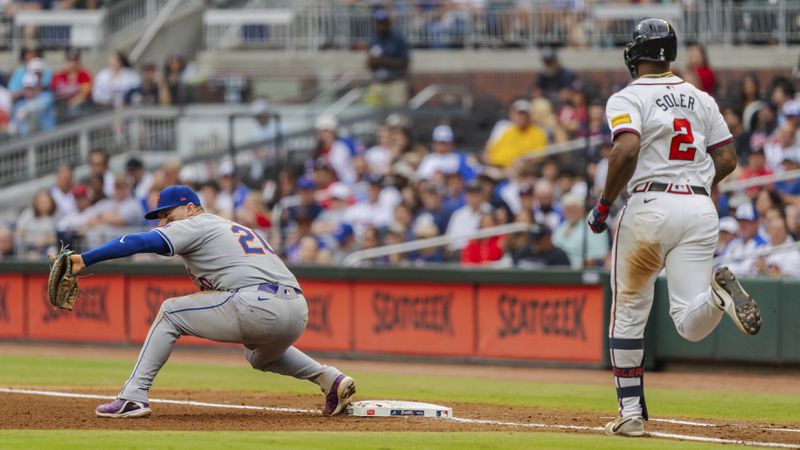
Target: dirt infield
(22, 411)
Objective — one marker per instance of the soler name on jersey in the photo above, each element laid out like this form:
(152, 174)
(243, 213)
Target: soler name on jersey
(672, 101)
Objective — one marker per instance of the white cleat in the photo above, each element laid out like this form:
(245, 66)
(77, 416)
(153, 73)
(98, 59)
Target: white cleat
(626, 426)
(735, 301)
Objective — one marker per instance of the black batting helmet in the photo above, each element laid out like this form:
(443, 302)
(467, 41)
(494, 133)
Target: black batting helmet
(653, 40)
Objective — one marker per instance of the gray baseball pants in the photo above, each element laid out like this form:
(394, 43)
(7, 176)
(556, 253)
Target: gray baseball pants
(266, 324)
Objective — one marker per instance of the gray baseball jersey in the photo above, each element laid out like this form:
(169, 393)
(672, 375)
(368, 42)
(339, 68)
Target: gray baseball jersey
(222, 255)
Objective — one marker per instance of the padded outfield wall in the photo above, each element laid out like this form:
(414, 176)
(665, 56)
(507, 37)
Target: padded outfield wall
(478, 315)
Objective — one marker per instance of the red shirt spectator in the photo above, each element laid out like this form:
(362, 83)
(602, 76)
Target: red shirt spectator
(698, 63)
(756, 167)
(72, 85)
(480, 251)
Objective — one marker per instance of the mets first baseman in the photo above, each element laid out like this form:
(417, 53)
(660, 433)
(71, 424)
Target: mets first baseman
(670, 146)
(247, 295)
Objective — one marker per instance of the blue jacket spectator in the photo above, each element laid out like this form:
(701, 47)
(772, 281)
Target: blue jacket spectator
(36, 109)
(388, 51)
(34, 65)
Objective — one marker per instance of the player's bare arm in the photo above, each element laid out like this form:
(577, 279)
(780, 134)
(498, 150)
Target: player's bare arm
(725, 161)
(621, 165)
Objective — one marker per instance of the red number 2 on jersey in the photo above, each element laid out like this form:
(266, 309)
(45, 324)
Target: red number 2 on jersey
(684, 136)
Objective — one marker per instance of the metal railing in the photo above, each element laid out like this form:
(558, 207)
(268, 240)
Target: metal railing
(355, 258)
(736, 185)
(146, 129)
(130, 16)
(323, 25)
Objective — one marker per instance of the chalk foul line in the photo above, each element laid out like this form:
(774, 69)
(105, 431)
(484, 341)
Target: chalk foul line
(453, 419)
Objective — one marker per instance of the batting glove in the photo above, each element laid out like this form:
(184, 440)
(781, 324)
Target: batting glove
(598, 215)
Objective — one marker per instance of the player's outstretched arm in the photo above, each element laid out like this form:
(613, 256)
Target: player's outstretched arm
(130, 244)
(621, 165)
(725, 161)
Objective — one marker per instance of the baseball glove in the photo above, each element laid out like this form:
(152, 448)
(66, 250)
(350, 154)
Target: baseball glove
(62, 288)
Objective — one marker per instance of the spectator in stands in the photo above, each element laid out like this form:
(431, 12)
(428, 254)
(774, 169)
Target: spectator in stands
(741, 139)
(728, 230)
(699, 65)
(35, 110)
(547, 210)
(782, 91)
(542, 116)
(308, 209)
(175, 74)
(376, 210)
(28, 55)
(520, 138)
(266, 163)
(749, 99)
(152, 89)
(387, 58)
(595, 126)
(334, 151)
(62, 194)
(140, 179)
(6, 109)
(98, 167)
(425, 228)
(209, 192)
(232, 191)
(379, 157)
(113, 82)
(36, 227)
(72, 85)
(114, 216)
(486, 250)
(790, 188)
(345, 242)
(396, 234)
(583, 247)
(553, 78)
(432, 195)
(7, 245)
(747, 242)
(540, 251)
(783, 264)
(766, 200)
(308, 251)
(328, 221)
(573, 113)
(443, 160)
(756, 167)
(254, 213)
(467, 219)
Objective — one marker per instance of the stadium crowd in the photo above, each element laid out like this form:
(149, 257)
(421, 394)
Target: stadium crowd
(35, 96)
(388, 188)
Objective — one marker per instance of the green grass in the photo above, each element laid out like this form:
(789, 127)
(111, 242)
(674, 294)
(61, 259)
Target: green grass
(124, 440)
(44, 371)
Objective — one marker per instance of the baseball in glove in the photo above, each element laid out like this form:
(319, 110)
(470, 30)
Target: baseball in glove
(62, 288)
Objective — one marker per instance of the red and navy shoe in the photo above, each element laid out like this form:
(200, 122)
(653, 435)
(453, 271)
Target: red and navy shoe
(339, 396)
(123, 409)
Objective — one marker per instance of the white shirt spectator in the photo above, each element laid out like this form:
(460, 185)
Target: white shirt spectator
(738, 247)
(788, 262)
(378, 214)
(464, 220)
(110, 90)
(379, 159)
(341, 159)
(432, 163)
(65, 202)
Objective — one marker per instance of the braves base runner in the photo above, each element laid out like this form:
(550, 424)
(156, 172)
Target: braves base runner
(247, 295)
(670, 145)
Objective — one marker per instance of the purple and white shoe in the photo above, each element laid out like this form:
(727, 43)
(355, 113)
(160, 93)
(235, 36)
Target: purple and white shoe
(121, 408)
(339, 396)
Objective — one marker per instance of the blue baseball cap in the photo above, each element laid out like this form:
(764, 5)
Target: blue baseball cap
(171, 197)
(345, 231)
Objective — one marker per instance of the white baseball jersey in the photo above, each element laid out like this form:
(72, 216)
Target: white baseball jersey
(222, 255)
(678, 125)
